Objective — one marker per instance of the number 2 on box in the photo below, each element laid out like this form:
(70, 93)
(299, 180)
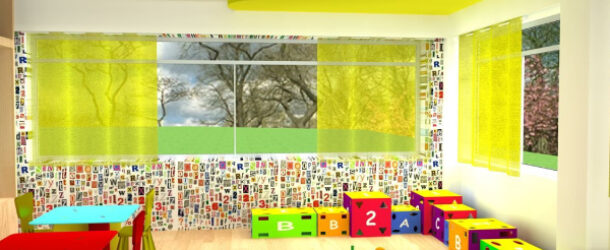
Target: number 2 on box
(371, 215)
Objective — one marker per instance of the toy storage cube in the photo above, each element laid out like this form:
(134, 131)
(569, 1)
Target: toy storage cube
(467, 234)
(443, 212)
(283, 222)
(406, 219)
(507, 244)
(424, 199)
(446, 233)
(332, 221)
(369, 213)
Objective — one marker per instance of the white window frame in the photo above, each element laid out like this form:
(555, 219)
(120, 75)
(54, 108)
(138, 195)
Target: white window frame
(529, 23)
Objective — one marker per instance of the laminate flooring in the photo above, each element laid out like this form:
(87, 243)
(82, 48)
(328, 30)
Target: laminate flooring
(240, 239)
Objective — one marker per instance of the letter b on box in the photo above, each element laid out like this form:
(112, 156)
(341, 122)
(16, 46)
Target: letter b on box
(283, 222)
(284, 226)
(332, 221)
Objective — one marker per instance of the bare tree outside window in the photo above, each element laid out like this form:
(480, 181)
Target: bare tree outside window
(271, 96)
(170, 90)
(189, 96)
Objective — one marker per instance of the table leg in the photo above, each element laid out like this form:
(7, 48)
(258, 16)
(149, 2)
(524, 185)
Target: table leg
(115, 241)
(99, 227)
(105, 227)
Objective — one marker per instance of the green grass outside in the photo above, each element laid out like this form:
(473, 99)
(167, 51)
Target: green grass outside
(540, 160)
(215, 140)
(195, 140)
(276, 140)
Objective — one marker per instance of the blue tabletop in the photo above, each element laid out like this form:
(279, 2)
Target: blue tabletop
(86, 215)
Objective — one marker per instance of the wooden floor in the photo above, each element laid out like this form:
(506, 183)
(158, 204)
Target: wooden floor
(8, 217)
(240, 239)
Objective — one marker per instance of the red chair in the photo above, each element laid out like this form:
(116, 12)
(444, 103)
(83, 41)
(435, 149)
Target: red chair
(138, 230)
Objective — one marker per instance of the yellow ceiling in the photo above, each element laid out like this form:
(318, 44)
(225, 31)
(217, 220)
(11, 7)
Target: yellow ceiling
(417, 7)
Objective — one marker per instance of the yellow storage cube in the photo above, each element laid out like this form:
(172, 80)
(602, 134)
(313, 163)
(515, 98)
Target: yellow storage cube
(468, 233)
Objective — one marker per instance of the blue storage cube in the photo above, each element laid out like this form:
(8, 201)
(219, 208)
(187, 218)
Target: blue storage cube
(446, 234)
(406, 219)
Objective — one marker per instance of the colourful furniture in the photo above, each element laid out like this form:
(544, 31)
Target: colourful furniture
(86, 215)
(369, 213)
(424, 199)
(138, 229)
(92, 240)
(283, 222)
(24, 206)
(87, 218)
(442, 213)
(406, 219)
(332, 221)
(507, 244)
(466, 234)
(127, 231)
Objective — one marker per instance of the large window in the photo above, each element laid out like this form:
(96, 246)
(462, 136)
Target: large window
(541, 93)
(128, 96)
(287, 96)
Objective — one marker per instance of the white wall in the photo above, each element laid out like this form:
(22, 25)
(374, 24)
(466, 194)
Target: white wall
(528, 202)
(598, 176)
(584, 109)
(211, 17)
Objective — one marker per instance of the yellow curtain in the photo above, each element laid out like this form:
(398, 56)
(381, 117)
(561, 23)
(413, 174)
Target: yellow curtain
(490, 97)
(366, 97)
(94, 95)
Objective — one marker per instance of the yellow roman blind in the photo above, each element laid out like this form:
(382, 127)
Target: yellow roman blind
(490, 97)
(94, 96)
(366, 96)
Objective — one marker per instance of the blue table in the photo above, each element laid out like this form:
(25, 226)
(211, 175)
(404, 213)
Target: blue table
(87, 218)
(86, 215)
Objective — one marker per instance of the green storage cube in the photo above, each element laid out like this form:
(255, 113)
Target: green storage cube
(283, 222)
(506, 244)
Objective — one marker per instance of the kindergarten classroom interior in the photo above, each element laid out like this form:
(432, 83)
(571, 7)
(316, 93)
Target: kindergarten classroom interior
(318, 124)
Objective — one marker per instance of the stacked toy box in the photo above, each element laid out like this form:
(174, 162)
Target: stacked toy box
(439, 213)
